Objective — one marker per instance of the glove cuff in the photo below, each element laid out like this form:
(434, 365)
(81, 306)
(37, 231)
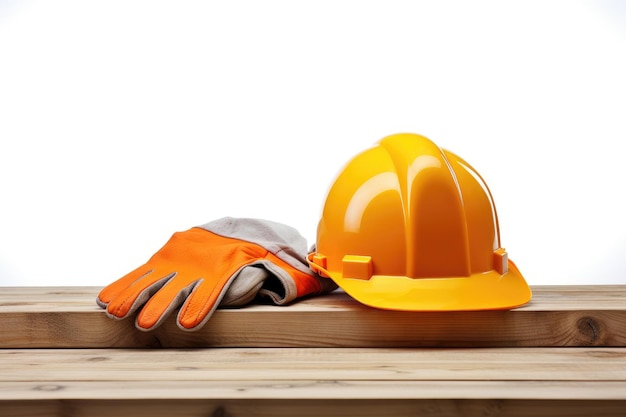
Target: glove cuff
(283, 241)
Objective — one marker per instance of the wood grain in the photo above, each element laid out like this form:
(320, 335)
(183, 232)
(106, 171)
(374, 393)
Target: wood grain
(48, 366)
(314, 381)
(564, 354)
(313, 408)
(67, 317)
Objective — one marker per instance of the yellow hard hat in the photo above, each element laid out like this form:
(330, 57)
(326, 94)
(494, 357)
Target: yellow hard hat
(410, 226)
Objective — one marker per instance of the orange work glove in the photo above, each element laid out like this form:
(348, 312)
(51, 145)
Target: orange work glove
(227, 262)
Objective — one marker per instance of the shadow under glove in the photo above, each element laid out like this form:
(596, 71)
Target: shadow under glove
(226, 262)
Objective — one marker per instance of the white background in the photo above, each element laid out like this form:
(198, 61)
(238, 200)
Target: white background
(124, 121)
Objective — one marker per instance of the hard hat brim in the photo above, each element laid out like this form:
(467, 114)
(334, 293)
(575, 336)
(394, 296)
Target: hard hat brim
(485, 291)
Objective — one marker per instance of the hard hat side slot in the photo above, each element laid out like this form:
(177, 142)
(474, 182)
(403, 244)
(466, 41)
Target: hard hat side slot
(355, 266)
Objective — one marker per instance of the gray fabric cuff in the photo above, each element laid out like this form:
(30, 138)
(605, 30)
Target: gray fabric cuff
(283, 241)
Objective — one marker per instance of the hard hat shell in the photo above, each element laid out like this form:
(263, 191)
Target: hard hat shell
(410, 226)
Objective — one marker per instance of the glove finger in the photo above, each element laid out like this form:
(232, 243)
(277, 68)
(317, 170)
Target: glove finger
(202, 302)
(112, 290)
(164, 302)
(136, 295)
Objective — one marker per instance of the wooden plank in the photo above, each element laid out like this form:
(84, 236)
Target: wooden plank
(313, 408)
(60, 317)
(314, 381)
(48, 366)
(324, 379)
(314, 373)
(322, 390)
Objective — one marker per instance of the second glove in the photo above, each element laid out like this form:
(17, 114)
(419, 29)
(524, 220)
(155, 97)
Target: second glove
(227, 262)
